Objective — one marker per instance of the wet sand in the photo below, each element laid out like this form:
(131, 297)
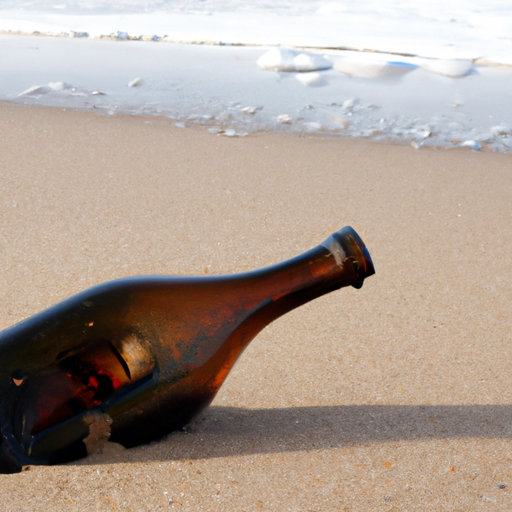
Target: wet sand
(393, 397)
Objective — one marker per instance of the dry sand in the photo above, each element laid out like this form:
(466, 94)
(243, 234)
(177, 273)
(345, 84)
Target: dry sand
(394, 397)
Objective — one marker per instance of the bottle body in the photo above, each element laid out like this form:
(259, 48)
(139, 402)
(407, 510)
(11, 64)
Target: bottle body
(149, 352)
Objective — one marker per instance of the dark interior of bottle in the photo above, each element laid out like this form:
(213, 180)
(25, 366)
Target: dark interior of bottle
(76, 383)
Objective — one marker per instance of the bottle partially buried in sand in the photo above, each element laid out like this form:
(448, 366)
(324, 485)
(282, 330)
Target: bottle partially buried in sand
(146, 354)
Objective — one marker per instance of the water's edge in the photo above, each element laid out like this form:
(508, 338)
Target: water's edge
(407, 99)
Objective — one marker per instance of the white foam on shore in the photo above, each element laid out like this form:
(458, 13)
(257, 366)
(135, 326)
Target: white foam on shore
(224, 89)
(453, 29)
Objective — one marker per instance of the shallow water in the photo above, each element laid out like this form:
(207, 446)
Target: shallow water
(223, 88)
(426, 85)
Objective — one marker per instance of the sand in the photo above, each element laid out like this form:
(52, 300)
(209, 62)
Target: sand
(393, 397)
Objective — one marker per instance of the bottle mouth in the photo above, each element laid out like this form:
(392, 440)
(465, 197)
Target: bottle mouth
(355, 249)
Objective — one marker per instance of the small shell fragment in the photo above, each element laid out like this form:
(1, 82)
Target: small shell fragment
(284, 119)
(232, 133)
(136, 82)
(250, 110)
(349, 104)
(473, 144)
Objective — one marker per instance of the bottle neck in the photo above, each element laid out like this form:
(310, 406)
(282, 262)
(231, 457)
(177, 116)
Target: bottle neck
(342, 260)
(301, 272)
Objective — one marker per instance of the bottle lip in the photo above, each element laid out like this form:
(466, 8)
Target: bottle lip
(353, 246)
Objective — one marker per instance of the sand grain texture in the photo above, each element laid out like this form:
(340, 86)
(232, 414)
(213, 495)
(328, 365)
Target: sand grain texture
(394, 397)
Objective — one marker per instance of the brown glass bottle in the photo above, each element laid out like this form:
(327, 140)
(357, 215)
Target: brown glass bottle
(150, 352)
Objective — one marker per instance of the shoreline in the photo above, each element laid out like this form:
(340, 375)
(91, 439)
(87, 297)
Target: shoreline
(225, 89)
(395, 396)
(124, 37)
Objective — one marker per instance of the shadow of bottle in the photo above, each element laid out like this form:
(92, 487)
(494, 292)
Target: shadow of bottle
(232, 431)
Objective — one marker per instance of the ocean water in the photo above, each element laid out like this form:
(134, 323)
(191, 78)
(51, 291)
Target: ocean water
(422, 73)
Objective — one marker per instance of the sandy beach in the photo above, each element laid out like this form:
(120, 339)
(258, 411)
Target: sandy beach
(393, 397)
